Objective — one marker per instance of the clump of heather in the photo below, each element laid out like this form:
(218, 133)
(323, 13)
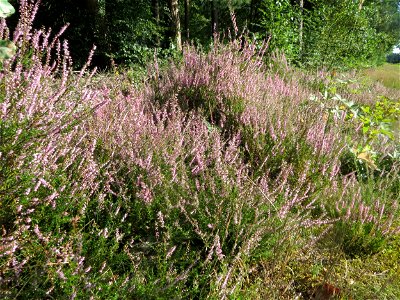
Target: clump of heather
(48, 173)
(218, 179)
(291, 146)
(204, 212)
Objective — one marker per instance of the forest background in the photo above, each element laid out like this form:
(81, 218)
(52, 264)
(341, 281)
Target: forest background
(317, 33)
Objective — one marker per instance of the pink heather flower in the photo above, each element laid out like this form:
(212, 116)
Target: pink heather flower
(170, 252)
(61, 275)
(218, 249)
(118, 235)
(145, 192)
(160, 217)
(39, 234)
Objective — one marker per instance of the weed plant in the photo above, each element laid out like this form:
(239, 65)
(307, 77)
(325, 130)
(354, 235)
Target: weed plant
(217, 178)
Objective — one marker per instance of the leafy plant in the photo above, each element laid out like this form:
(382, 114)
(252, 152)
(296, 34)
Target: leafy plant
(380, 119)
(6, 9)
(279, 20)
(7, 48)
(376, 122)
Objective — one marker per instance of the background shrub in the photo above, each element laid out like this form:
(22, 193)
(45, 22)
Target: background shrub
(393, 58)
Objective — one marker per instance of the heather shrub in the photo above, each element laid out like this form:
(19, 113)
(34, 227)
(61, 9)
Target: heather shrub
(218, 178)
(298, 149)
(235, 92)
(48, 173)
(176, 141)
(186, 170)
(199, 183)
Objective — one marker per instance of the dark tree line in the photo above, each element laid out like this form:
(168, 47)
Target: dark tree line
(310, 32)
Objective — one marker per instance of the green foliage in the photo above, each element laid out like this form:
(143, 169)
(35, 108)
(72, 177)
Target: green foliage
(393, 58)
(358, 239)
(332, 34)
(381, 119)
(7, 48)
(6, 9)
(280, 21)
(378, 122)
(132, 32)
(340, 35)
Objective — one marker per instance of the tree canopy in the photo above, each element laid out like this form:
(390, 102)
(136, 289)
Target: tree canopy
(329, 33)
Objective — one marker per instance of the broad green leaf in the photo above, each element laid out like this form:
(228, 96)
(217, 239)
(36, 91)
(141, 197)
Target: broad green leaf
(366, 109)
(7, 49)
(6, 9)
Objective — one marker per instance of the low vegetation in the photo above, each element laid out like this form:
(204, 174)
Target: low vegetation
(387, 74)
(218, 176)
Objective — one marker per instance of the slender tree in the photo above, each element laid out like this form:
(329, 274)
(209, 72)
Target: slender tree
(176, 24)
(360, 5)
(155, 6)
(187, 18)
(214, 17)
(301, 28)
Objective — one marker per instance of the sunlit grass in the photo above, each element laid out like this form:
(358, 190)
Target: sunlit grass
(387, 74)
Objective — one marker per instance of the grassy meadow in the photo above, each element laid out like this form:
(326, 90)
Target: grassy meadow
(218, 175)
(387, 74)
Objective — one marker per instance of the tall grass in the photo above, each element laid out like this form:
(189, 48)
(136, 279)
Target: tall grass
(388, 75)
(217, 179)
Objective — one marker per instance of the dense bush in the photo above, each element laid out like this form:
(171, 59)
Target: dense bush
(393, 58)
(344, 37)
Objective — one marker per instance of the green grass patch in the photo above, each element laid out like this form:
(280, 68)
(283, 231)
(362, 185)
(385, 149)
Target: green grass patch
(387, 74)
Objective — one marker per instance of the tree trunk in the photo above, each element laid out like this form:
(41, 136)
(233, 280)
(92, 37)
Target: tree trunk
(187, 15)
(360, 5)
(254, 6)
(176, 24)
(100, 30)
(156, 15)
(301, 28)
(214, 17)
(92, 6)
